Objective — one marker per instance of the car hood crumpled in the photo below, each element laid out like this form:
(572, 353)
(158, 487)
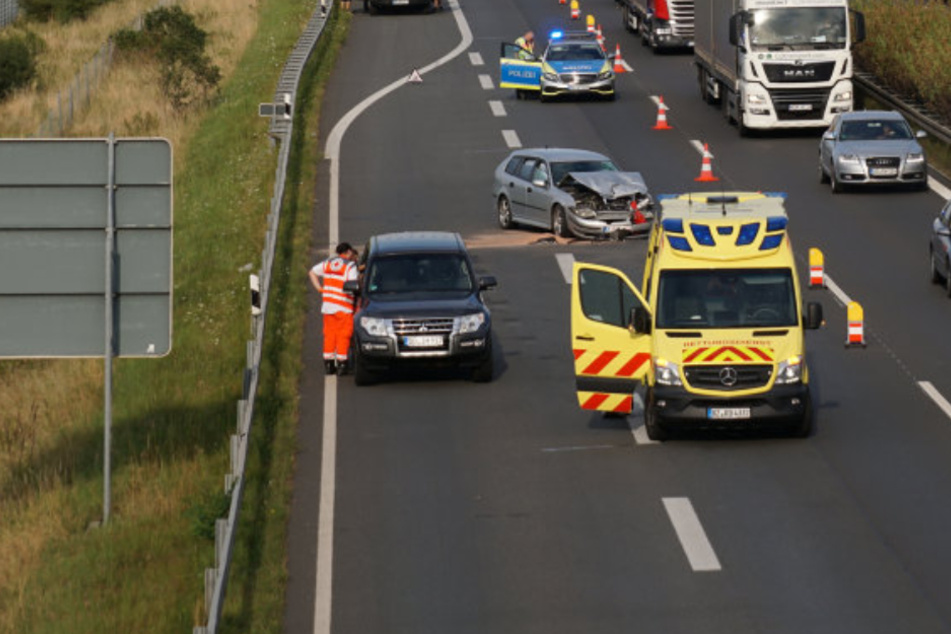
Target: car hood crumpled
(608, 183)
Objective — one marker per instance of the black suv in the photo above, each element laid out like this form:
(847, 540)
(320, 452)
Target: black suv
(420, 303)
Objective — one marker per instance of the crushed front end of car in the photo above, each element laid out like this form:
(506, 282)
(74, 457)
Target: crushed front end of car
(608, 204)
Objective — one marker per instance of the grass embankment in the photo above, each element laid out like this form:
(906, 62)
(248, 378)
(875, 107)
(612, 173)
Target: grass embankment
(172, 417)
(907, 49)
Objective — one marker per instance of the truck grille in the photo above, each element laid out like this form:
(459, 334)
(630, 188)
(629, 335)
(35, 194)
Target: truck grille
(790, 104)
(681, 17)
(793, 73)
(728, 378)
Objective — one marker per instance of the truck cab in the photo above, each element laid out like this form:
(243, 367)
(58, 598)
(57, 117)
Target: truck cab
(715, 333)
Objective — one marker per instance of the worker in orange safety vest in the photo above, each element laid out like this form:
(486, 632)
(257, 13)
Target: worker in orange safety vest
(328, 278)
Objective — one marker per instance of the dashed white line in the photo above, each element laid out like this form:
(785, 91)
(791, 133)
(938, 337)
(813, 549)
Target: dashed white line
(691, 535)
(486, 82)
(936, 396)
(475, 59)
(511, 139)
(566, 262)
(498, 108)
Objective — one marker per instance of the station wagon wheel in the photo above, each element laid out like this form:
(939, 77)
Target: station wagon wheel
(505, 213)
(559, 225)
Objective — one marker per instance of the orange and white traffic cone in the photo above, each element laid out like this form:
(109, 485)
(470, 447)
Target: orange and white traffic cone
(600, 38)
(856, 332)
(706, 167)
(618, 62)
(662, 116)
(562, 1)
(816, 274)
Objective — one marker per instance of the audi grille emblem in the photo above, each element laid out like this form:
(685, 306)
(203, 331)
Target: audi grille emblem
(728, 377)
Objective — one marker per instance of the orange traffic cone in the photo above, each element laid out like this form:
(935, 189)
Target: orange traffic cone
(706, 167)
(618, 62)
(600, 37)
(662, 116)
(562, 1)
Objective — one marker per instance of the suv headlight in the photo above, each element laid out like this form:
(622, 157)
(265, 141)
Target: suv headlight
(789, 371)
(468, 323)
(666, 372)
(915, 157)
(374, 326)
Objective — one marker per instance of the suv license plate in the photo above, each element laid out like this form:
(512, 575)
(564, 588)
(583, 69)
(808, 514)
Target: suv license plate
(423, 341)
(728, 413)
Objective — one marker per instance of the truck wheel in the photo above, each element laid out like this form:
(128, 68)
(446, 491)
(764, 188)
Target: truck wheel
(559, 225)
(702, 82)
(655, 430)
(630, 21)
(361, 374)
(504, 208)
(740, 126)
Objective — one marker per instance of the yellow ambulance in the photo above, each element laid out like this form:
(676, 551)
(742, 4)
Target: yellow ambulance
(715, 334)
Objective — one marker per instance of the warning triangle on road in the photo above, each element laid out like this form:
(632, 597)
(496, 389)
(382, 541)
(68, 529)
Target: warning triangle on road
(415, 77)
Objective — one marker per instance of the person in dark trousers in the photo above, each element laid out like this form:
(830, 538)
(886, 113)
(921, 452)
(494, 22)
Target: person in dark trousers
(336, 305)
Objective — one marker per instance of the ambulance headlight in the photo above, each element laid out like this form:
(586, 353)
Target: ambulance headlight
(789, 371)
(468, 323)
(666, 372)
(374, 326)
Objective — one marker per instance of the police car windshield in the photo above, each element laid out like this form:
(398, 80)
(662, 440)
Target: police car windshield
(726, 298)
(574, 51)
(419, 272)
(561, 169)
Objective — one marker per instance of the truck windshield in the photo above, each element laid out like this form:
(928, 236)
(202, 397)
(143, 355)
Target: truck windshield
(725, 298)
(419, 272)
(798, 28)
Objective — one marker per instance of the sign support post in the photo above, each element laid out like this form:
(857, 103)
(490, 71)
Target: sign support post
(109, 350)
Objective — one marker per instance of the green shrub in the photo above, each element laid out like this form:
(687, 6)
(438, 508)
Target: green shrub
(171, 36)
(61, 10)
(18, 53)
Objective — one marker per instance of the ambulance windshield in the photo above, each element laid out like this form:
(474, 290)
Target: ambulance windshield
(726, 298)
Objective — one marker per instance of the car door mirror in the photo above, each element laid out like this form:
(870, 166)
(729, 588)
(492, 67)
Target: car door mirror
(540, 182)
(640, 321)
(921, 134)
(487, 282)
(812, 319)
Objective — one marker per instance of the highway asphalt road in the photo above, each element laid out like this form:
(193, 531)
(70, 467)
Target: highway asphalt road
(502, 508)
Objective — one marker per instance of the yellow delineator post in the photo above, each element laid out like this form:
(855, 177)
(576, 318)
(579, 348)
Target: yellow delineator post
(575, 10)
(856, 329)
(816, 274)
(590, 22)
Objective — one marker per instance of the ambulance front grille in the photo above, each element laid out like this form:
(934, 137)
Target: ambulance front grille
(728, 378)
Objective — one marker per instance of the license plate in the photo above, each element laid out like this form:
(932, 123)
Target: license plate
(400, 2)
(577, 87)
(800, 107)
(883, 171)
(422, 341)
(728, 413)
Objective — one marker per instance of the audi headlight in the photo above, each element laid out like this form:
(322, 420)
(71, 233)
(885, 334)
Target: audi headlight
(848, 158)
(666, 372)
(789, 371)
(468, 323)
(374, 326)
(915, 157)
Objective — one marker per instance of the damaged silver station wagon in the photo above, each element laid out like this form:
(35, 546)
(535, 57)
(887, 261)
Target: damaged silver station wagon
(571, 193)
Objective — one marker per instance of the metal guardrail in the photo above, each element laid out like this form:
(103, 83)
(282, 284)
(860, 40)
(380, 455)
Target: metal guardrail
(931, 122)
(9, 10)
(281, 129)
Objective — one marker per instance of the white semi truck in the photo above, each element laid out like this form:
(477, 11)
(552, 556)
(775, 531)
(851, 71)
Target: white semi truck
(774, 64)
(661, 24)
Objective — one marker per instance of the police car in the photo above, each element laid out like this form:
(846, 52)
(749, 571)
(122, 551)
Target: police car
(573, 63)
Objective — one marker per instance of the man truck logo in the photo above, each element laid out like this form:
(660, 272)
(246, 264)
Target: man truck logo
(799, 73)
(728, 376)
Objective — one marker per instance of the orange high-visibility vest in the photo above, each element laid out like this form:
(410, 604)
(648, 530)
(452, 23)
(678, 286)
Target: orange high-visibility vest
(333, 273)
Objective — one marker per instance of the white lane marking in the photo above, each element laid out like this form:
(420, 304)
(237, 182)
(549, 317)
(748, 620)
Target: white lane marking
(936, 396)
(498, 108)
(698, 146)
(565, 262)
(511, 139)
(626, 66)
(475, 59)
(486, 82)
(325, 523)
(656, 101)
(939, 189)
(578, 448)
(690, 533)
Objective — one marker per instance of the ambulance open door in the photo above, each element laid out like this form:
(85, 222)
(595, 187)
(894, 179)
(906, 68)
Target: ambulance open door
(610, 357)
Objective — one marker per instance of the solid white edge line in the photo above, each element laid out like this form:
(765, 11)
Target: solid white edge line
(511, 139)
(475, 59)
(325, 523)
(936, 396)
(939, 189)
(566, 262)
(486, 82)
(691, 535)
(498, 108)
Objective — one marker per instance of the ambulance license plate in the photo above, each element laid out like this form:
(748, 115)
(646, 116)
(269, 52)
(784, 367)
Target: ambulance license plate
(422, 341)
(800, 107)
(728, 413)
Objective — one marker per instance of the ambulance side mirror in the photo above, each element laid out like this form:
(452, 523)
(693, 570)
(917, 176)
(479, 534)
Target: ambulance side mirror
(640, 321)
(812, 319)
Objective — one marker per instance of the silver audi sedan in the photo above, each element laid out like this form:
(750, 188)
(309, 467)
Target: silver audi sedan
(571, 193)
(872, 147)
